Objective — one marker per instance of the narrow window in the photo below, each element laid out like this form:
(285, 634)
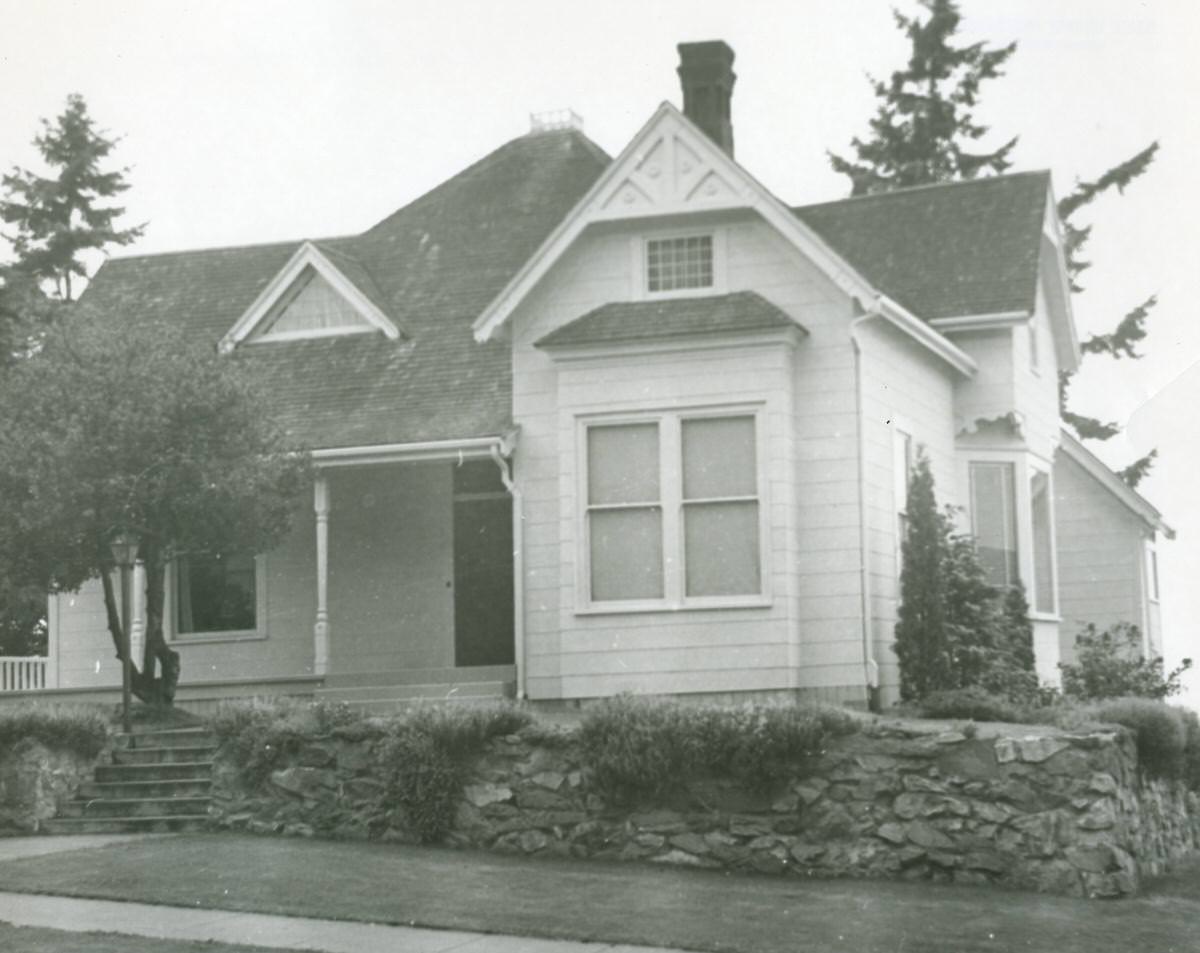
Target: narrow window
(1152, 571)
(994, 521)
(215, 594)
(720, 507)
(624, 512)
(902, 461)
(1043, 543)
(1034, 357)
(676, 263)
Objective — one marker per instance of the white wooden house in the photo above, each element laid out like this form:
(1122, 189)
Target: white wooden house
(586, 425)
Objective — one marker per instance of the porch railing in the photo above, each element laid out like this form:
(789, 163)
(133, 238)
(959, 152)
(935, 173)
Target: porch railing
(22, 673)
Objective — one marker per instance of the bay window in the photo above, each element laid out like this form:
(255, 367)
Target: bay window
(1043, 542)
(994, 521)
(673, 509)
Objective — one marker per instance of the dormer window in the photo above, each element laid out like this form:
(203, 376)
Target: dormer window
(675, 264)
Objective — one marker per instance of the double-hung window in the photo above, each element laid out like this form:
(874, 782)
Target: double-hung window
(1043, 542)
(215, 595)
(673, 510)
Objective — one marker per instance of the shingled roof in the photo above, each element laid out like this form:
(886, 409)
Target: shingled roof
(625, 321)
(944, 251)
(435, 264)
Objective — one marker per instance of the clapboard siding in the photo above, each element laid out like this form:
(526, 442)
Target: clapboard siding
(904, 388)
(808, 452)
(1101, 547)
(1036, 388)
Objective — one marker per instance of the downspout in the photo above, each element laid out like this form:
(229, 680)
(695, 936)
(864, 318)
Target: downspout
(518, 516)
(870, 664)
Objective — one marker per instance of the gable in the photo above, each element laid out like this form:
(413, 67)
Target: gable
(309, 307)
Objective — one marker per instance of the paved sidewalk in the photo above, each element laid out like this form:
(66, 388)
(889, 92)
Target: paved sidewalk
(331, 936)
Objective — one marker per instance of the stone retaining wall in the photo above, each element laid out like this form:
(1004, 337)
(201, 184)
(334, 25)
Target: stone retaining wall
(1038, 809)
(35, 781)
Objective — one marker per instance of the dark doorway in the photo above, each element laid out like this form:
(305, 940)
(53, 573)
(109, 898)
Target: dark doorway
(483, 566)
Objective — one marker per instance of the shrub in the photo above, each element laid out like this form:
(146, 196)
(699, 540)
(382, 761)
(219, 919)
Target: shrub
(82, 731)
(425, 753)
(637, 747)
(1161, 731)
(1109, 664)
(974, 703)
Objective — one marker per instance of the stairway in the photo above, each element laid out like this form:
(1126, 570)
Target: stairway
(159, 780)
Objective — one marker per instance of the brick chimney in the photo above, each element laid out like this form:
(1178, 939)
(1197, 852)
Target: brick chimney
(706, 74)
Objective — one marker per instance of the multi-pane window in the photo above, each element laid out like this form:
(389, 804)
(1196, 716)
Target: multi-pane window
(215, 594)
(1043, 542)
(677, 263)
(675, 484)
(994, 521)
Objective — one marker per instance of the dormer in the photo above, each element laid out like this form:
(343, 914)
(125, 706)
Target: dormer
(319, 293)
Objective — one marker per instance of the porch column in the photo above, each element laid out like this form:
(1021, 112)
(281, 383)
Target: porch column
(321, 627)
(137, 611)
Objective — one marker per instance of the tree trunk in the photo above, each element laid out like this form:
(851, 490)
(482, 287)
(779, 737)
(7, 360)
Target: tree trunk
(157, 653)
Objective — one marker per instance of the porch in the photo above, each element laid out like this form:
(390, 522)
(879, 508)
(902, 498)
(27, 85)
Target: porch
(395, 584)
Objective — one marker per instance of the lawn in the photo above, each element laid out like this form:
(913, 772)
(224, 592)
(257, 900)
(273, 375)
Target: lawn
(37, 940)
(617, 903)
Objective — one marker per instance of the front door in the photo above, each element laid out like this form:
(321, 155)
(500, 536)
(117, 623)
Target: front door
(483, 566)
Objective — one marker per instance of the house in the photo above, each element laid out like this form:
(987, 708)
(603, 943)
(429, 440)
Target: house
(585, 425)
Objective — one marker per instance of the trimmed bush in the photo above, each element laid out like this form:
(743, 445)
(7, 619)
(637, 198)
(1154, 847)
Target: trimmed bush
(639, 748)
(1161, 731)
(82, 731)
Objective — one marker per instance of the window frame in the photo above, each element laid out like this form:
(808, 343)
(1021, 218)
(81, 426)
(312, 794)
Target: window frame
(904, 457)
(670, 430)
(1032, 470)
(640, 250)
(1150, 561)
(171, 597)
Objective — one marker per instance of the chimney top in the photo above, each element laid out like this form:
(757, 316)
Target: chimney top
(707, 77)
(555, 119)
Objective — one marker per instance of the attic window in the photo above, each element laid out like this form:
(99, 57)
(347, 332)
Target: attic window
(312, 308)
(673, 264)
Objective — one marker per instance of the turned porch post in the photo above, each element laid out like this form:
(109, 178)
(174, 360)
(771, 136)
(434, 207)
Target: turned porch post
(321, 627)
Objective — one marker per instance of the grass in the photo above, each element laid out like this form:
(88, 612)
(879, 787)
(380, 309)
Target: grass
(616, 903)
(40, 940)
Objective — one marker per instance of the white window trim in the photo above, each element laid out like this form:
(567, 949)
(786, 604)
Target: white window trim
(1024, 466)
(1035, 349)
(258, 633)
(671, 482)
(1150, 567)
(638, 250)
(904, 456)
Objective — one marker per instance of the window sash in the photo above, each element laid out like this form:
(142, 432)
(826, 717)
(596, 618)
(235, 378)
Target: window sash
(994, 521)
(1043, 542)
(707, 507)
(675, 264)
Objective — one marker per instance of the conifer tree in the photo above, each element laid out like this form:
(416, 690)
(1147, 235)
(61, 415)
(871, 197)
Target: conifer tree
(59, 217)
(924, 127)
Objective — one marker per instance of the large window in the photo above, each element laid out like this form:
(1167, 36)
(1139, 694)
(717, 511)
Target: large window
(215, 594)
(1043, 542)
(994, 521)
(673, 264)
(673, 509)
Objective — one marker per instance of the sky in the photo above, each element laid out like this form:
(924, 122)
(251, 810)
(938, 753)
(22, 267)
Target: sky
(256, 120)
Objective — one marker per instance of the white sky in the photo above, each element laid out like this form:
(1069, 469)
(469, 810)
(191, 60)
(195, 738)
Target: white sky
(256, 120)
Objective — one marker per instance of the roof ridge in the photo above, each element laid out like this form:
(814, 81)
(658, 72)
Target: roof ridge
(928, 186)
(482, 163)
(280, 243)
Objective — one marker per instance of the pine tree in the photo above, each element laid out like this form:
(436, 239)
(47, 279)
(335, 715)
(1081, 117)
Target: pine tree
(925, 124)
(60, 217)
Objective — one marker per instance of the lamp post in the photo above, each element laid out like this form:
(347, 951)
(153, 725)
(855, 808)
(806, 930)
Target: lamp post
(124, 550)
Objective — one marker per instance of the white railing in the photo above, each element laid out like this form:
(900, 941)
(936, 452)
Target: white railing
(22, 673)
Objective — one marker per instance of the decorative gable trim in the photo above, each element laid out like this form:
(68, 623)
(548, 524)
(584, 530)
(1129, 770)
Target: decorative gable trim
(1053, 264)
(669, 168)
(308, 255)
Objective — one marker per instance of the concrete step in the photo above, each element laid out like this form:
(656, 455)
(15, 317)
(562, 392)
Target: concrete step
(178, 787)
(171, 755)
(485, 691)
(422, 676)
(153, 771)
(166, 738)
(137, 807)
(124, 825)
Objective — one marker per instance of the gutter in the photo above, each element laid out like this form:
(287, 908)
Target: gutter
(499, 453)
(870, 663)
(472, 448)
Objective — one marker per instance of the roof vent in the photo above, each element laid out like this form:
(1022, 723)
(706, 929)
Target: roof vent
(555, 119)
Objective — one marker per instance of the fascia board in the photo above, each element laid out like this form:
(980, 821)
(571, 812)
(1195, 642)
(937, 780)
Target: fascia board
(472, 448)
(924, 335)
(1066, 338)
(980, 322)
(306, 255)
